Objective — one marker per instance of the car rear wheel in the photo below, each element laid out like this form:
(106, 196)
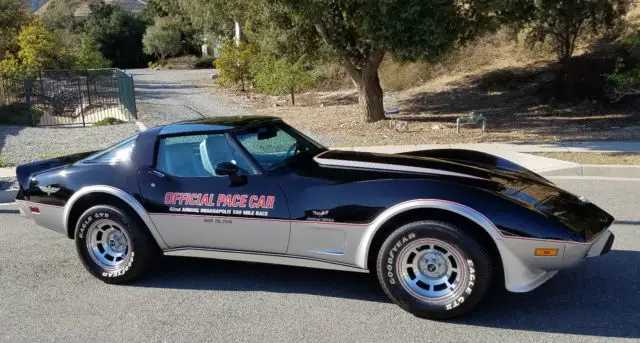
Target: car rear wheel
(434, 269)
(112, 245)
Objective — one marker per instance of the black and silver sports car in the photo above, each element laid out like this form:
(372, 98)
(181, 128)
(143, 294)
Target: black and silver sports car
(437, 226)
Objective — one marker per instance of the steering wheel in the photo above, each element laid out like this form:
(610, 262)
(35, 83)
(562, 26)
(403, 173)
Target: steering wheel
(292, 150)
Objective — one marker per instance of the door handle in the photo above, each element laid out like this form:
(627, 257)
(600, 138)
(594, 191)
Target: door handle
(156, 173)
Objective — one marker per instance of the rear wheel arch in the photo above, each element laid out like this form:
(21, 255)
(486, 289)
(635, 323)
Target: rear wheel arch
(470, 227)
(84, 199)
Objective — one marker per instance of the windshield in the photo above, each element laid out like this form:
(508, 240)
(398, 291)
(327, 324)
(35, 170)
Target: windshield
(274, 145)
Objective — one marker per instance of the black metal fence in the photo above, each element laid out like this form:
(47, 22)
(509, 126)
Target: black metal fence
(66, 97)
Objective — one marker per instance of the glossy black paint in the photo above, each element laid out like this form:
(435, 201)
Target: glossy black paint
(518, 201)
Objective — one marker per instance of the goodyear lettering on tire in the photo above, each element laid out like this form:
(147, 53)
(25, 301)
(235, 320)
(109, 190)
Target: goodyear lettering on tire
(121, 271)
(391, 275)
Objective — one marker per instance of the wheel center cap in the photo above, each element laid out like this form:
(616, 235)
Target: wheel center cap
(433, 265)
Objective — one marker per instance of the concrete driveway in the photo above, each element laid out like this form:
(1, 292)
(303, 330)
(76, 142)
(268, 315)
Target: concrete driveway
(165, 96)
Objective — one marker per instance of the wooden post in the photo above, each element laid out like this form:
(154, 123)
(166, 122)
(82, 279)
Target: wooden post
(3, 96)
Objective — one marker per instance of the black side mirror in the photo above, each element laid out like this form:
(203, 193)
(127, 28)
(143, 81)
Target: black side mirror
(226, 168)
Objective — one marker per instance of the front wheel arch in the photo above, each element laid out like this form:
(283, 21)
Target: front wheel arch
(470, 227)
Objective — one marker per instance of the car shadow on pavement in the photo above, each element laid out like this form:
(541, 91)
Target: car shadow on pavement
(600, 297)
(221, 275)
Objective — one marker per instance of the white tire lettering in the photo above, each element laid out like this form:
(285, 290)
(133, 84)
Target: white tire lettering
(467, 291)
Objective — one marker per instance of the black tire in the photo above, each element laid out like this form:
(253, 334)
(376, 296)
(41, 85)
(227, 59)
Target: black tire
(467, 269)
(134, 256)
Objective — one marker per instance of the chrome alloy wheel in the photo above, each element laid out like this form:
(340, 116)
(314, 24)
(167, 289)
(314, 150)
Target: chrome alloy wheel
(431, 269)
(108, 244)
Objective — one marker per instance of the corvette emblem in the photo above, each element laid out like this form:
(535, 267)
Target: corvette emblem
(320, 213)
(49, 189)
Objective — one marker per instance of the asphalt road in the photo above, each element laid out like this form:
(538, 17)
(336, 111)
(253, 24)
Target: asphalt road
(46, 295)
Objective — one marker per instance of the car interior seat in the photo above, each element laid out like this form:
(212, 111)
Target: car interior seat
(214, 150)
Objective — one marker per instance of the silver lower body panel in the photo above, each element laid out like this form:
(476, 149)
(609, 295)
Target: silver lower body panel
(49, 216)
(260, 257)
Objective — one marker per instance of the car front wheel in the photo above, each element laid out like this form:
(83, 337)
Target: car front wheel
(112, 245)
(434, 269)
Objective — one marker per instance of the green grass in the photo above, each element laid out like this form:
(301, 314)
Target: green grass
(108, 121)
(18, 114)
(2, 161)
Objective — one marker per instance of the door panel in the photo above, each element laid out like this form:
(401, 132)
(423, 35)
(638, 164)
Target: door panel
(210, 212)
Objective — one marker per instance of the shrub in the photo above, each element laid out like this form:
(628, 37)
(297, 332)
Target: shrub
(233, 63)
(205, 62)
(117, 33)
(279, 76)
(163, 38)
(564, 22)
(108, 121)
(89, 57)
(625, 78)
(18, 114)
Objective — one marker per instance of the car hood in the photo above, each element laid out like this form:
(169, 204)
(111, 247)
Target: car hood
(480, 170)
(446, 163)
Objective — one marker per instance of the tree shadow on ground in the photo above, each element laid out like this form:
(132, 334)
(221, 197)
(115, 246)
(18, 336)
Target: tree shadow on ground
(598, 298)
(565, 100)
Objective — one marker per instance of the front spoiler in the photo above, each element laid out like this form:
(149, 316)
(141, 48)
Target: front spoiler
(524, 272)
(602, 245)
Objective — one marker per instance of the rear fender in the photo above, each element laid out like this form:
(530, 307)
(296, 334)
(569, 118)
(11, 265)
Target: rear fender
(122, 195)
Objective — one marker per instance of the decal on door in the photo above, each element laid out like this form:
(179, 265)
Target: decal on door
(224, 204)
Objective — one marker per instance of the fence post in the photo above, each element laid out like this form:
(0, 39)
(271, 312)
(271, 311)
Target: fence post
(81, 104)
(27, 93)
(133, 94)
(88, 89)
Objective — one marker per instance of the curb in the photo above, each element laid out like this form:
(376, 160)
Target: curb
(595, 170)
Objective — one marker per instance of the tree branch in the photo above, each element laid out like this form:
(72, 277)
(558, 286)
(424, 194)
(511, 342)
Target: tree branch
(352, 70)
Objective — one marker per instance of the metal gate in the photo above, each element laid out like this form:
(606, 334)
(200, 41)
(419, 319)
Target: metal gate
(66, 97)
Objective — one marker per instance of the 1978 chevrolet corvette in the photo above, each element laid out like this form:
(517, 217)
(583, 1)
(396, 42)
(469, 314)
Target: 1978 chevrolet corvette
(437, 227)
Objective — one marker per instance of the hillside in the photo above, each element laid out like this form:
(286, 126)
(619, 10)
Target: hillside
(525, 94)
(80, 8)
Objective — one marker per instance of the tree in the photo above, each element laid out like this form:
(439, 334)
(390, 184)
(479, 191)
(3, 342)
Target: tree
(163, 38)
(279, 76)
(13, 15)
(38, 48)
(563, 22)
(117, 34)
(88, 56)
(60, 15)
(233, 63)
(361, 32)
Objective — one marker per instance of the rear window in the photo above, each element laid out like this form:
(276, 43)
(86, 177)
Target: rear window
(118, 153)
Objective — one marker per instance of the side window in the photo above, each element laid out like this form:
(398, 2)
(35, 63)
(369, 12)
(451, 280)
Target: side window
(118, 153)
(198, 155)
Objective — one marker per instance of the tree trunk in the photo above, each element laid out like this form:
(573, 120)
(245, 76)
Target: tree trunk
(239, 32)
(370, 96)
(293, 97)
(368, 84)
(364, 75)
